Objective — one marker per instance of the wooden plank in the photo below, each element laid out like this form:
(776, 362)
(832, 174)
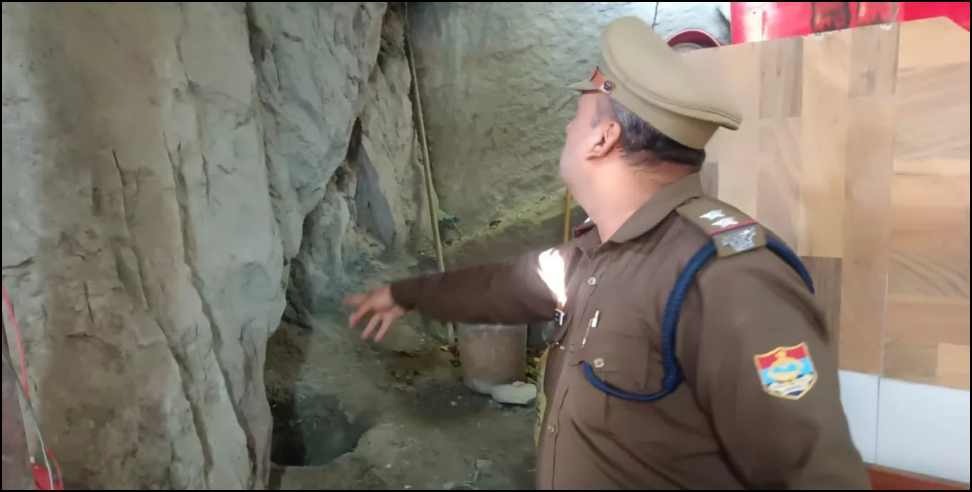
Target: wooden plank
(953, 365)
(928, 320)
(780, 93)
(927, 362)
(824, 137)
(778, 189)
(936, 102)
(778, 150)
(930, 237)
(869, 151)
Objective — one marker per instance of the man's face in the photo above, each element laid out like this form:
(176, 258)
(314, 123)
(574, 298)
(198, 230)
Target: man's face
(576, 144)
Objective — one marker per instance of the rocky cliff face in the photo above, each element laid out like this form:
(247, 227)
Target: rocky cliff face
(493, 76)
(167, 169)
(341, 146)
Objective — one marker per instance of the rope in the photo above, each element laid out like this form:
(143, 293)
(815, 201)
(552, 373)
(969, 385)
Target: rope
(427, 166)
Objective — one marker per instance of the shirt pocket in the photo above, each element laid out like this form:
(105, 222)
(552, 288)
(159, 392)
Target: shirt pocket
(621, 352)
(613, 359)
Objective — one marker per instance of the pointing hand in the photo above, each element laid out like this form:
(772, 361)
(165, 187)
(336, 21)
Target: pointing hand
(380, 305)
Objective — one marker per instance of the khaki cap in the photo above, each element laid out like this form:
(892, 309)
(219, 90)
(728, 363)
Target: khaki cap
(646, 76)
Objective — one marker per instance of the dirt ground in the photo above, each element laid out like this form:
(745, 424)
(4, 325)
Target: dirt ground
(349, 414)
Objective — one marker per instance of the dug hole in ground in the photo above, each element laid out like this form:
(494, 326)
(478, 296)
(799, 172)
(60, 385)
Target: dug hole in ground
(391, 415)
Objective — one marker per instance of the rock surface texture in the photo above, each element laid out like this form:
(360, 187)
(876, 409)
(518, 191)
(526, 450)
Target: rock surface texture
(167, 169)
(493, 78)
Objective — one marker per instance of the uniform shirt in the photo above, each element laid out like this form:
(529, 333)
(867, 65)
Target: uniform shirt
(725, 426)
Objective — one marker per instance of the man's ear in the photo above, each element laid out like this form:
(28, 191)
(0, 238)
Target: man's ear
(608, 136)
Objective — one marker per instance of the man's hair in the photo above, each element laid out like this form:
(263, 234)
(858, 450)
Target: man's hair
(638, 135)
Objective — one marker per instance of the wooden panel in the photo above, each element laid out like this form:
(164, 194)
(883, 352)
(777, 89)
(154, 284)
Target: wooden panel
(855, 150)
(928, 281)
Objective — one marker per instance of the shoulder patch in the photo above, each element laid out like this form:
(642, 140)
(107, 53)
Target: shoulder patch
(731, 230)
(786, 372)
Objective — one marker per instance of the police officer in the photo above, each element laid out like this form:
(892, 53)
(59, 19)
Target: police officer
(690, 351)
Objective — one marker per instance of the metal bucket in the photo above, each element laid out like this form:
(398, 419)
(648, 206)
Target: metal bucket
(492, 355)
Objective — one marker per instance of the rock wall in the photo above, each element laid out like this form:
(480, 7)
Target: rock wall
(167, 169)
(345, 180)
(138, 238)
(492, 77)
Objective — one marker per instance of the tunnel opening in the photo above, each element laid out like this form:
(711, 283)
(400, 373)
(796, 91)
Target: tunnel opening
(312, 423)
(312, 431)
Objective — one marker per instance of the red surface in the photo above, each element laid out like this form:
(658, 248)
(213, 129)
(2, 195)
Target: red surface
(957, 11)
(760, 21)
(694, 36)
(798, 352)
(885, 479)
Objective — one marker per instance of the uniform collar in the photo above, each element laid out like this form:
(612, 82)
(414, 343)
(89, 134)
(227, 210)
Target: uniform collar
(659, 206)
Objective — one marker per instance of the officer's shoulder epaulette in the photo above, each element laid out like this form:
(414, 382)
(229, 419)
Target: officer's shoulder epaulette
(731, 230)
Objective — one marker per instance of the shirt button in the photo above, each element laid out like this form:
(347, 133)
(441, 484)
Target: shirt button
(592, 281)
(598, 362)
(551, 429)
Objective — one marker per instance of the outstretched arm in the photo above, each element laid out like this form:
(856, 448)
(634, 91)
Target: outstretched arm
(498, 293)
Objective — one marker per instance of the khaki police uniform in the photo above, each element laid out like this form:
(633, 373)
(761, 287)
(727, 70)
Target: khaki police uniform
(758, 405)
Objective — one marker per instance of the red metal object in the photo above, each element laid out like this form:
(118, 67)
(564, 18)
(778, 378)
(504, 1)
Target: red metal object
(691, 39)
(42, 477)
(957, 11)
(887, 479)
(760, 21)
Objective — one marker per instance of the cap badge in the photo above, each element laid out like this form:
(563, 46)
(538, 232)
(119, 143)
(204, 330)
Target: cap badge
(602, 83)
